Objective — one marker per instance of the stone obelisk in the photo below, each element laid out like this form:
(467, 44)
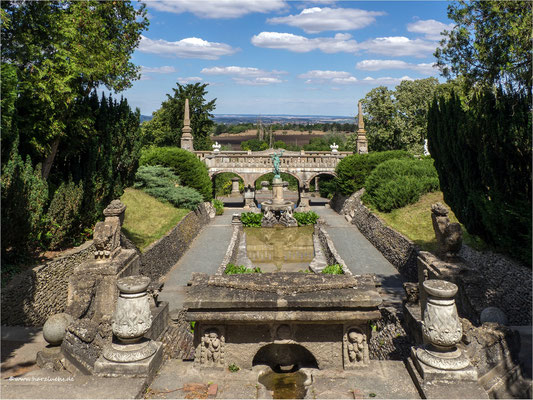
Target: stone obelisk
(361, 142)
(186, 137)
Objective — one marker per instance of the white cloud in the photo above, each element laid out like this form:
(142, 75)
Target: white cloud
(345, 78)
(217, 8)
(377, 65)
(165, 69)
(398, 46)
(430, 28)
(189, 79)
(247, 75)
(386, 80)
(316, 19)
(186, 48)
(341, 42)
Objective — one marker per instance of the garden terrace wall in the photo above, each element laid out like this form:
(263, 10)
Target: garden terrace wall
(36, 294)
(160, 256)
(395, 247)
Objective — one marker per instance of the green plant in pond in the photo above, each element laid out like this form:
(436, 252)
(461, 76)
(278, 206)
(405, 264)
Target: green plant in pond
(232, 269)
(306, 218)
(233, 368)
(219, 206)
(250, 219)
(334, 269)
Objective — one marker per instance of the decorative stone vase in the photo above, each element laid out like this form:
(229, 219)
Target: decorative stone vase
(441, 327)
(132, 317)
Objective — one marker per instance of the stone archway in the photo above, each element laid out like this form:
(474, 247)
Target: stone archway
(285, 355)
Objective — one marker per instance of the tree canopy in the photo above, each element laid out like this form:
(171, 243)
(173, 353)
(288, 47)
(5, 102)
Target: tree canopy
(62, 50)
(164, 129)
(490, 43)
(396, 119)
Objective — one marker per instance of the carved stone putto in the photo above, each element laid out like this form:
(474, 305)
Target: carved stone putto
(449, 235)
(355, 348)
(212, 348)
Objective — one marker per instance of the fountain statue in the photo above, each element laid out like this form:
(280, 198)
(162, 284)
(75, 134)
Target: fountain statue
(277, 211)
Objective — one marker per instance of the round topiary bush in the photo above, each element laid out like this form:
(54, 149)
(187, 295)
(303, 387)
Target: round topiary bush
(353, 170)
(191, 171)
(397, 183)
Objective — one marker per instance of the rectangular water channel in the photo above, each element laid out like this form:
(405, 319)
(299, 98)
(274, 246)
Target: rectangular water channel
(280, 249)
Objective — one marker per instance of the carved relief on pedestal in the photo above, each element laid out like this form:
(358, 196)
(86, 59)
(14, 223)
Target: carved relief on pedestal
(211, 347)
(107, 232)
(355, 347)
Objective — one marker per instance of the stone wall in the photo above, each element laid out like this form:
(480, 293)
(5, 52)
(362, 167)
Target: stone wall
(34, 295)
(329, 250)
(395, 247)
(160, 256)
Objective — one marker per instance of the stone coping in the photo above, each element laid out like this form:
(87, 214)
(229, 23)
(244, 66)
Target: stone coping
(294, 291)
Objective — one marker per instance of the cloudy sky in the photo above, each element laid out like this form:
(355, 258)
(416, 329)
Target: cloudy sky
(285, 57)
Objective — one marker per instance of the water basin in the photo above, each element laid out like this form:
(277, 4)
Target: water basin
(280, 249)
(288, 385)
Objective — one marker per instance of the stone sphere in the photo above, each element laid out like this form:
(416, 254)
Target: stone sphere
(55, 328)
(493, 314)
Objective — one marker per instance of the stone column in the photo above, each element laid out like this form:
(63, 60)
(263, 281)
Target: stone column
(361, 141)
(186, 136)
(277, 191)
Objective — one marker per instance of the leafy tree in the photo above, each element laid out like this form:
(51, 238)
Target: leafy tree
(490, 44)
(254, 145)
(164, 129)
(396, 119)
(62, 52)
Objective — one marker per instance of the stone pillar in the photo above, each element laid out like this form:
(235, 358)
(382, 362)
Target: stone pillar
(317, 187)
(186, 136)
(440, 364)
(277, 191)
(131, 353)
(361, 141)
(235, 186)
(249, 196)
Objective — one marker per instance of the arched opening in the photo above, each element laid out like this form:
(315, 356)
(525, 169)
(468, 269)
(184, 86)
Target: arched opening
(228, 187)
(322, 185)
(285, 357)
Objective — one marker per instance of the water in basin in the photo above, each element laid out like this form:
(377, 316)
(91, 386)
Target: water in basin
(280, 249)
(288, 385)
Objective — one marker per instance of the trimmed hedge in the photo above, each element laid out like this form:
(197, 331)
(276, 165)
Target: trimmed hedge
(353, 170)
(397, 183)
(191, 171)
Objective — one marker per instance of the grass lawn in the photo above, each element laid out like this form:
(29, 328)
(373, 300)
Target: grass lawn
(148, 219)
(414, 221)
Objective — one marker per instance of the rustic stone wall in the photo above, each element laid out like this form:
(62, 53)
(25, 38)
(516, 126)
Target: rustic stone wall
(160, 256)
(395, 247)
(34, 295)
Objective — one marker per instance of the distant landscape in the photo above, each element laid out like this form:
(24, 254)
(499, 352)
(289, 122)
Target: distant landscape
(231, 119)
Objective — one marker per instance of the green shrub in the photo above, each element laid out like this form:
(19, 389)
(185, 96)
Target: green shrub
(219, 206)
(63, 216)
(180, 197)
(250, 219)
(155, 176)
(353, 170)
(334, 269)
(223, 184)
(24, 196)
(306, 218)
(397, 183)
(233, 367)
(232, 269)
(191, 171)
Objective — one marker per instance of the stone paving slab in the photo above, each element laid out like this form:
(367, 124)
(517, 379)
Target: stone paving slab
(382, 379)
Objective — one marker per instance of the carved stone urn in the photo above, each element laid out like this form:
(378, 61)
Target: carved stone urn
(441, 328)
(131, 320)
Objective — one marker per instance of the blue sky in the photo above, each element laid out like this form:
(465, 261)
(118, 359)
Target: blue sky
(285, 57)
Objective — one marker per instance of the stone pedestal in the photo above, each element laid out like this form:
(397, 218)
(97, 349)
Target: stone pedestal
(440, 362)
(264, 186)
(304, 202)
(235, 186)
(130, 353)
(277, 191)
(249, 203)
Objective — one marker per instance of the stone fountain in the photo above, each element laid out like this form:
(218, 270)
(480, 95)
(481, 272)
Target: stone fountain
(277, 211)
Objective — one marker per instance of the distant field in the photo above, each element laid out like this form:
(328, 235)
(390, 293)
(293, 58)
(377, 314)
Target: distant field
(288, 136)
